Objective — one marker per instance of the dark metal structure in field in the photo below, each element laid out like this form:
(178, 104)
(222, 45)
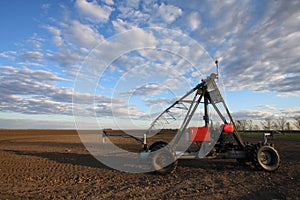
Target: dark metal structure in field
(207, 141)
(225, 144)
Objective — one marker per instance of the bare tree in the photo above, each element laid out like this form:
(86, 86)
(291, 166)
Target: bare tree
(216, 126)
(250, 125)
(237, 125)
(281, 123)
(275, 125)
(242, 125)
(297, 122)
(267, 124)
(288, 126)
(256, 127)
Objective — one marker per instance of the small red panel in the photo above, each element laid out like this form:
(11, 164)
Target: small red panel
(199, 134)
(228, 128)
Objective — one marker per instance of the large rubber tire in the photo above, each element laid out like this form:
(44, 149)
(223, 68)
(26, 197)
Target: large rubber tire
(265, 157)
(160, 157)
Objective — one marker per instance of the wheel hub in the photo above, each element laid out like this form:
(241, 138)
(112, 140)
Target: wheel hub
(265, 157)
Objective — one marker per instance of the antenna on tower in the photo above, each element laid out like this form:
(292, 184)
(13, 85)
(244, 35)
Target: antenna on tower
(217, 65)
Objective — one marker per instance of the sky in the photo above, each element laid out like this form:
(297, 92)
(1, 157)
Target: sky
(117, 64)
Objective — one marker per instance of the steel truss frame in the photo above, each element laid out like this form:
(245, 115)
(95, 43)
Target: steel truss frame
(206, 92)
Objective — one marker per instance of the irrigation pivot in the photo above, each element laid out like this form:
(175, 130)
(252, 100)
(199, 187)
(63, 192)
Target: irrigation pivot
(207, 141)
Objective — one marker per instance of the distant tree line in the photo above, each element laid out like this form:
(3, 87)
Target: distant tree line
(281, 124)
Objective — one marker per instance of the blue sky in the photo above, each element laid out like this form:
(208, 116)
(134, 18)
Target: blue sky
(128, 71)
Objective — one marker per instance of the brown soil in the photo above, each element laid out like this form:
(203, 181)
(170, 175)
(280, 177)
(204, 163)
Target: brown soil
(54, 164)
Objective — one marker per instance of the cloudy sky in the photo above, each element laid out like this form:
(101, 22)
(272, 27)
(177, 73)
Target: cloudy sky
(121, 62)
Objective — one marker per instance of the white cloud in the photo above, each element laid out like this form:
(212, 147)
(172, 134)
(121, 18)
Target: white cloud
(68, 34)
(67, 59)
(45, 6)
(10, 73)
(262, 53)
(109, 2)
(165, 13)
(83, 35)
(35, 41)
(9, 55)
(130, 18)
(267, 107)
(34, 92)
(109, 50)
(32, 55)
(169, 13)
(194, 21)
(127, 111)
(252, 114)
(5, 70)
(133, 3)
(159, 101)
(141, 38)
(57, 37)
(144, 90)
(74, 41)
(266, 112)
(120, 25)
(93, 11)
